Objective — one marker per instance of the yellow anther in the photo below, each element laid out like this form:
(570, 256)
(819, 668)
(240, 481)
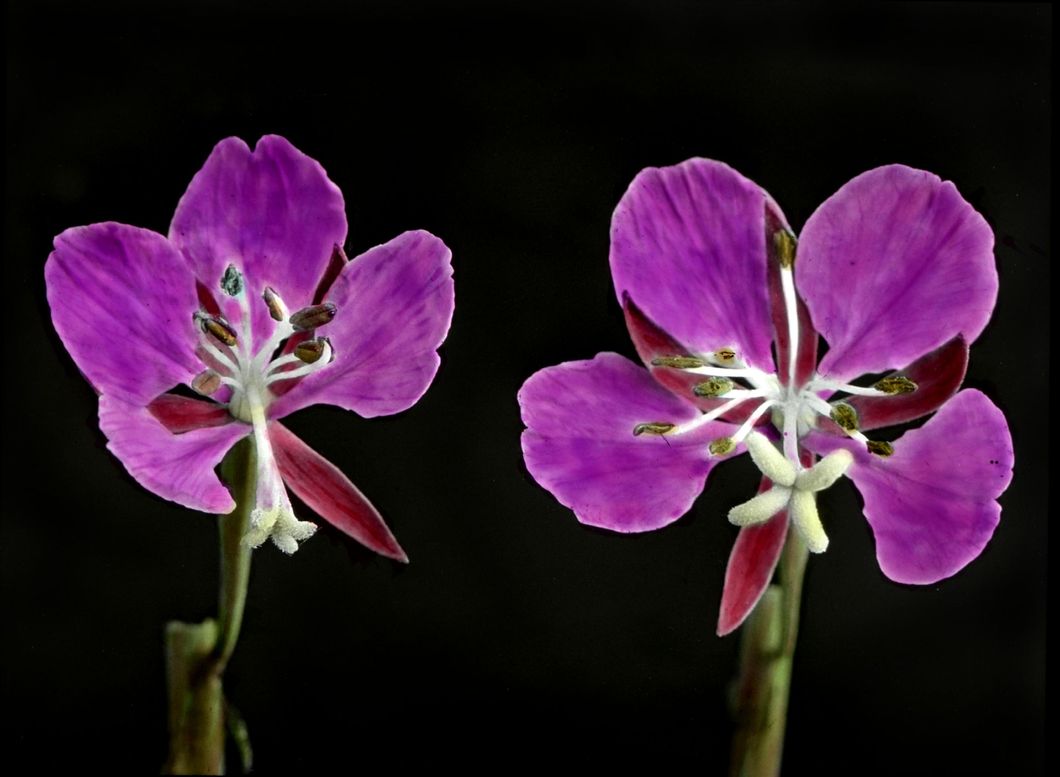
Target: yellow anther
(652, 428)
(896, 384)
(845, 416)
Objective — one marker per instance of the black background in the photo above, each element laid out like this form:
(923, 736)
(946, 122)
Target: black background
(516, 635)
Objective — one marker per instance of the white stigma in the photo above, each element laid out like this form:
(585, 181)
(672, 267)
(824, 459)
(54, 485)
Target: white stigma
(792, 491)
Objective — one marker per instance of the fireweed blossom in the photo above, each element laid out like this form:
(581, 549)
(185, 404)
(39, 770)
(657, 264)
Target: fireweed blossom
(250, 303)
(895, 271)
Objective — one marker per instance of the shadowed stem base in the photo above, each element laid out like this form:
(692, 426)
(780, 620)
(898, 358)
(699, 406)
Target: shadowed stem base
(197, 653)
(767, 647)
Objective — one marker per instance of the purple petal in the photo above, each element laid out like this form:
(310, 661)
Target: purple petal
(177, 467)
(273, 212)
(579, 444)
(122, 300)
(395, 303)
(330, 494)
(752, 561)
(688, 246)
(931, 505)
(892, 266)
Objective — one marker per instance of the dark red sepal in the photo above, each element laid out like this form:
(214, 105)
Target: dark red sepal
(330, 494)
(183, 414)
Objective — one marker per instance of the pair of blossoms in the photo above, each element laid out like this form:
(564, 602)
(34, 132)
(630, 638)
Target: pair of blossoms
(251, 303)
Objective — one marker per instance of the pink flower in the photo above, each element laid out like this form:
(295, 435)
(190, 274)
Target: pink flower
(251, 303)
(895, 271)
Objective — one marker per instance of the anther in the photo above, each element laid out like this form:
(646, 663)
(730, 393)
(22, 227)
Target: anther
(310, 351)
(785, 244)
(845, 416)
(678, 362)
(206, 382)
(714, 387)
(652, 428)
(217, 328)
(232, 281)
(277, 309)
(896, 384)
(725, 356)
(313, 316)
(721, 446)
(880, 448)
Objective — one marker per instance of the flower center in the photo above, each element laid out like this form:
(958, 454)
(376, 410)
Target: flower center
(795, 411)
(289, 352)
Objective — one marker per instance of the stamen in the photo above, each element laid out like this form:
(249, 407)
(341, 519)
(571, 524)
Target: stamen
(277, 309)
(725, 357)
(206, 383)
(886, 387)
(309, 351)
(879, 448)
(232, 281)
(727, 372)
(717, 412)
(787, 284)
(216, 327)
(678, 362)
(313, 316)
(655, 427)
(845, 416)
(219, 356)
(721, 446)
(715, 387)
(748, 425)
(323, 361)
(896, 384)
(785, 244)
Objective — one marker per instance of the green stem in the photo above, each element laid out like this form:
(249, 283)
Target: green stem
(766, 652)
(197, 654)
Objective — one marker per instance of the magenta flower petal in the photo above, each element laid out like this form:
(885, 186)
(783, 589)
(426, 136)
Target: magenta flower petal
(579, 444)
(395, 304)
(932, 504)
(753, 558)
(122, 300)
(688, 246)
(178, 467)
(272, 212)
(330, 494)
(892, 266)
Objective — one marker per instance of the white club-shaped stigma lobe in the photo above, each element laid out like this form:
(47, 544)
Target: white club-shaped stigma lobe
(792, 490)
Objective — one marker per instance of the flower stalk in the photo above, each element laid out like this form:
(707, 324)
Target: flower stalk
(767, 649)
(197, 653)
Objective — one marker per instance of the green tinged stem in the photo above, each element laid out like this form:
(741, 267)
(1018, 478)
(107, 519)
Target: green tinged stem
(197, 653)
(760, 699)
